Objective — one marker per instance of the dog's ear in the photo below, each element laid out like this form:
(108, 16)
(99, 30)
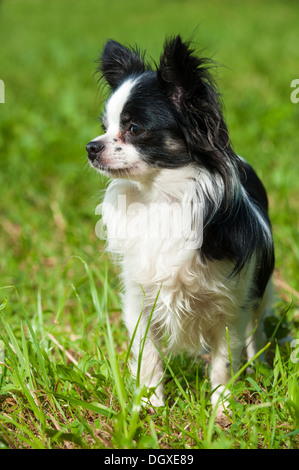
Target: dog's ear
(183, 76)
(118, 62)
(186, 79)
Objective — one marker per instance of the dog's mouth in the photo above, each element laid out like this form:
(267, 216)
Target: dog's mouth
(123, 171)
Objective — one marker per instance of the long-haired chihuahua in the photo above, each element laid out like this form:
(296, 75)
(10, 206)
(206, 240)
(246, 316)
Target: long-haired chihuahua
(187, 216)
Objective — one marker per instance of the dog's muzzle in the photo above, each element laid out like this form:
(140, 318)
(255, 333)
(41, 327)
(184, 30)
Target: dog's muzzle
(94, 148)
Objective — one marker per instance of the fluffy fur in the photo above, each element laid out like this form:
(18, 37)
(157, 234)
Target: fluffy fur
(167, 147)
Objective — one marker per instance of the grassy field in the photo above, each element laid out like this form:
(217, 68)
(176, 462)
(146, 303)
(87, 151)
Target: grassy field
(64, 379)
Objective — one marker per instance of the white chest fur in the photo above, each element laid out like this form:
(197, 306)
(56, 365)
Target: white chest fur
(158, 241)
(156, 233)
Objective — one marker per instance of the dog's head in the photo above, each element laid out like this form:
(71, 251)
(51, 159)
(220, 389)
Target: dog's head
(167, 116)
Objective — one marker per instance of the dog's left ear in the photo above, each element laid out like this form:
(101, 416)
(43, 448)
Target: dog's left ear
(119, 62)
(182, 75)
(186, 79)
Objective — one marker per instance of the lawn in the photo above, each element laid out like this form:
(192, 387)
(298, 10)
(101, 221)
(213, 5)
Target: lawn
(64, 377)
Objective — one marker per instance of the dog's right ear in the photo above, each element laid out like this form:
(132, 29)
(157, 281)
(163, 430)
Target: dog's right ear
(118, 62)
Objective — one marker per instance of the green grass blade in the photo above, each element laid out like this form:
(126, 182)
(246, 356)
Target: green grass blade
(93, 289)
(96, 408)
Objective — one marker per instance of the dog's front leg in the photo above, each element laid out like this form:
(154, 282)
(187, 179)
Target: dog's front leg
(223, 351)
(147, 364)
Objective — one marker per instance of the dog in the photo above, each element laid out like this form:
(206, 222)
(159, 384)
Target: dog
(186, 216)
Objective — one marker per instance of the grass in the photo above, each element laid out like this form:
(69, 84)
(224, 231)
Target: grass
(64, 351)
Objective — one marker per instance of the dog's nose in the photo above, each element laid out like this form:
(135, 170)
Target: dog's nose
(94, 148)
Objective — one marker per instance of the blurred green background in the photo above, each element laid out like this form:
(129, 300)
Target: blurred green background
(48, 194)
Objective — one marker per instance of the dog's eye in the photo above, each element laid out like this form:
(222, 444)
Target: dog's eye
(136, 130)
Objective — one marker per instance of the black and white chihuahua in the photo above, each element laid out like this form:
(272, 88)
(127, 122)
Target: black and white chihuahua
(187, 216)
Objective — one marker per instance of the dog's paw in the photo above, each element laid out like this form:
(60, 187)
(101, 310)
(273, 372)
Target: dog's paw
(223, 416)
(156, 401)
(220, 401)
(152, 403)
